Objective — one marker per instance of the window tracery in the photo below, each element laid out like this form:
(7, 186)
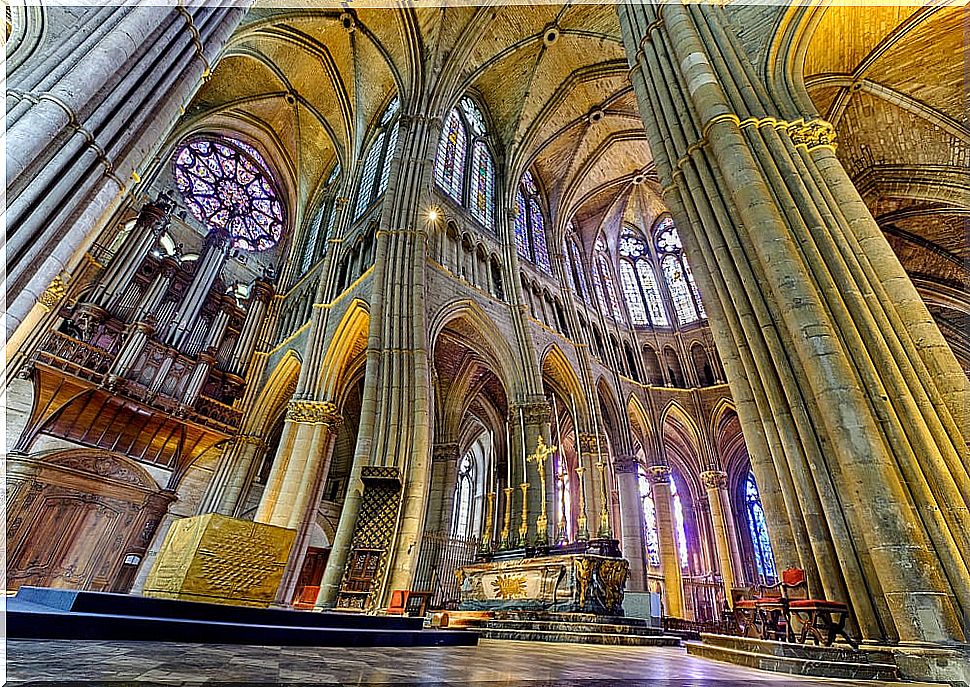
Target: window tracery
(468, 179)
(680, 282)
(326, 214)
(529, 224)
(639, 282)
(377, 163)
(575, 269)
(651, 535)
(603, 282)
(227, 185)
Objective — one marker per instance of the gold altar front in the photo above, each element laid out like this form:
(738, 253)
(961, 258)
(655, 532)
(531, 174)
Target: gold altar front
(568, 583)
(220, 559)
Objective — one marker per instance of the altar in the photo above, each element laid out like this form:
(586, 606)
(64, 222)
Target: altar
(564, 583)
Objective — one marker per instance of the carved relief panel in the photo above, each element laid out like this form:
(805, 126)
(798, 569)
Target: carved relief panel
(79, 519)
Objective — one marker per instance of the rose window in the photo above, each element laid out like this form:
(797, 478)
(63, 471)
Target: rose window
(227, 185)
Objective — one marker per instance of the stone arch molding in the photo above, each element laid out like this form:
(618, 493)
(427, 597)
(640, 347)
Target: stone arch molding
(494, 349)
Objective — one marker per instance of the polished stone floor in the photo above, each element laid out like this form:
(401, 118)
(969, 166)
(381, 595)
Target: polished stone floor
(491, 664)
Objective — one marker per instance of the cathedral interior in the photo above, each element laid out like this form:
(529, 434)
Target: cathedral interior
(669, 300)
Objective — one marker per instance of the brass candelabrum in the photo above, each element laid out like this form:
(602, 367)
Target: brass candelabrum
(524, 524)
(604, 532)
(505, 541)
(582, 523)
(486, 546)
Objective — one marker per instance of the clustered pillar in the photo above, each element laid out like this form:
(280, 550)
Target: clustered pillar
(855, 409)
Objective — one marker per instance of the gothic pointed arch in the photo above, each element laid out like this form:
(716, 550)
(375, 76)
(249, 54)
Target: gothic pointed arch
(348, 344)
(558, 371)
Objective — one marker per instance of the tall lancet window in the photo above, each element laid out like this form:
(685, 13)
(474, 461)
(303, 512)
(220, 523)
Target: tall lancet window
(640, 282)
(530, 224)
(763, 556)
(603, 281)
(677, 274)
(679, 529)
(564, 498)
(464, 167)
(575, 268)
(650, 535)
(377, 162)
(464, 497)
(323, 222)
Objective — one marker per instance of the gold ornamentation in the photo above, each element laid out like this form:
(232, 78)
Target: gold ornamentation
(584, 577)
(613, 574)
(524, 523)
(53, 294)
(506, 535)
(509, 587)
(582, 526)
(814, 134)
(714, 479)
(658, 474)
(313, 413)
(542, 452)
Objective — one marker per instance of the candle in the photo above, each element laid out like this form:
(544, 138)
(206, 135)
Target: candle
(522, 419)
(508, 455)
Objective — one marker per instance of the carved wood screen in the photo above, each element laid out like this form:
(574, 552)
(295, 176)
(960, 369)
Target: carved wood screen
(79, 519)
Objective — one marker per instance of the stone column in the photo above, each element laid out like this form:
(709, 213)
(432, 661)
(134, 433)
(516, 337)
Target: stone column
(631, 521)
(87, 115)
(207, 356)
(444, 472)
(535, 416)
(842, 373)
(725, 536)
(659, 476)
(224, 490)
(396, 410)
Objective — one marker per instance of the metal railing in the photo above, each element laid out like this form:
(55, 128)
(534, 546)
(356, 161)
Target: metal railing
(441, 555)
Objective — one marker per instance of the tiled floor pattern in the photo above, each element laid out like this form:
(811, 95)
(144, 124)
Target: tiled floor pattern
(492, 664)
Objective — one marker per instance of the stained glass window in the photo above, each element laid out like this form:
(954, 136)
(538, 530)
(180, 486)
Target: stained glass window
(680, 281)
(679, 291)
(608, 288)
(227, 186)
(365, 192)
(465, 131)
(474, 116)
(450, 159)
(538, 228)
(483, 184)
(648, 279)
(651, 536)
(521, 226)
(579, 272)
(693, 288)
(631, 290)
(679, 529)
(388, 156)
(758, 528)
(327, 213)
(464, 493)
(377, 164)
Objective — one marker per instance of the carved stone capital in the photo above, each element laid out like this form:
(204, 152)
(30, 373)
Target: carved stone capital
(588, 443)
(714, 479)
(53, 293)
(658, 474)
(444, 452)
(313, 413)
(535, 413)
(626, 465)
(250, 439)
(813, 134)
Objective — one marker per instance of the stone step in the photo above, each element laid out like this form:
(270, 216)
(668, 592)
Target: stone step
(579, 637)
(846, 670)
(839, 652)
(571, 618)
(558, 626)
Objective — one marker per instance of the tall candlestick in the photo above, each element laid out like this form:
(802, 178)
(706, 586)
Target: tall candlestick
(506, 536)
(508, 455)
(524, 524)
(522, 420)
(562, 528)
